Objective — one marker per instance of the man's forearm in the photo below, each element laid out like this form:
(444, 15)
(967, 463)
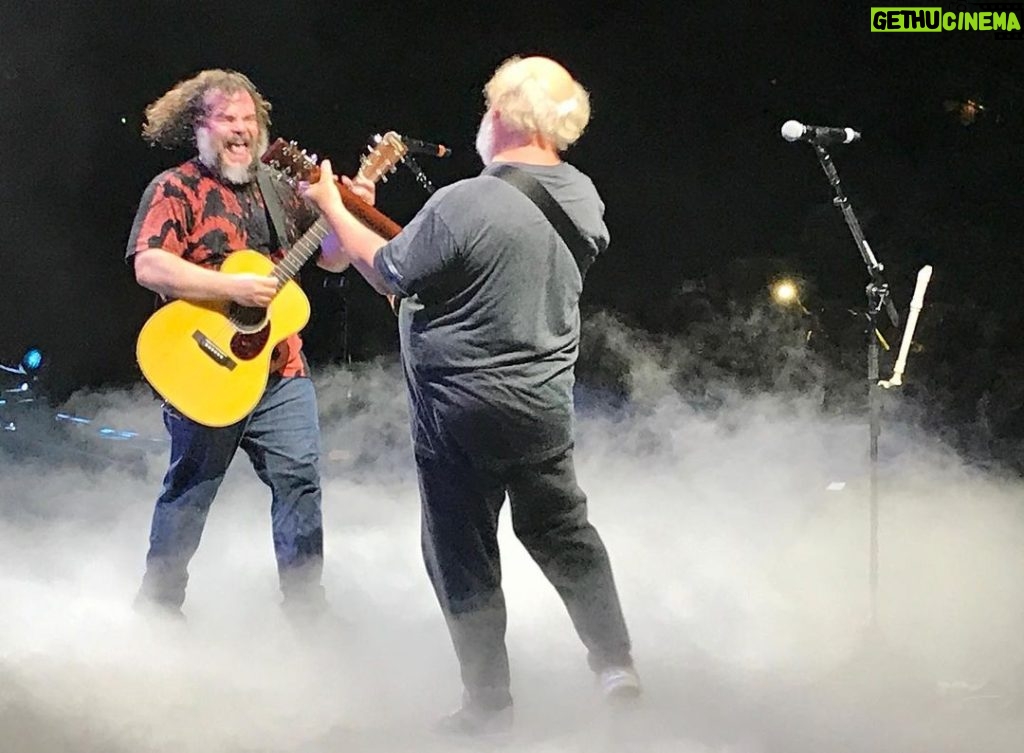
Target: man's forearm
(173, 277)
(360, 245)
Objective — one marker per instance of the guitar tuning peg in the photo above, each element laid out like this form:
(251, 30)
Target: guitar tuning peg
(313, 158)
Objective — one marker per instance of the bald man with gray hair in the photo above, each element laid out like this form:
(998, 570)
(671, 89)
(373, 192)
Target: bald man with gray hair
(489, 275)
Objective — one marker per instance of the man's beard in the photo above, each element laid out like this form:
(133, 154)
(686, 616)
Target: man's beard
(210, 156)
(485, 139)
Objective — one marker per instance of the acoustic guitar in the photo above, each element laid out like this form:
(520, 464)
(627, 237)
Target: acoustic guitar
(211, 359)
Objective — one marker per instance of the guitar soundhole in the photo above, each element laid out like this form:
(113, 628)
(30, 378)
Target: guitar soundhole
(247, 319)
(247, 345)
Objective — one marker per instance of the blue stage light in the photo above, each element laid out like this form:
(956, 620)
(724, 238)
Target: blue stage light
(32, 359)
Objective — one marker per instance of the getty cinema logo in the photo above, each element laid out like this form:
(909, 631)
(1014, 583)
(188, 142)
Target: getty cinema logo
(1002, 18)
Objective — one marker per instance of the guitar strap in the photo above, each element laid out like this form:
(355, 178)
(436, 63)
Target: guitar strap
(265, 179)
(275, 208)
(581, 251)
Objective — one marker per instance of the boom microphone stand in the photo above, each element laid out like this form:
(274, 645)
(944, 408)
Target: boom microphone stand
(878, 298)
(873, 661)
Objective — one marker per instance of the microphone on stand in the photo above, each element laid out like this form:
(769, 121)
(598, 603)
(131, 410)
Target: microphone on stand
(793, 130)
(425, 147)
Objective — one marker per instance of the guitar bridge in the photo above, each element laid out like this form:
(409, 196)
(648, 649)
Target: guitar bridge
(210, 349)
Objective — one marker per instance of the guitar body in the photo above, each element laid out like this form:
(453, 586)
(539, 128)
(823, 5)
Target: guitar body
(211, 359)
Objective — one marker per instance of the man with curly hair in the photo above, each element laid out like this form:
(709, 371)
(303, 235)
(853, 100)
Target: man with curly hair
(190, 219)
(490, 278)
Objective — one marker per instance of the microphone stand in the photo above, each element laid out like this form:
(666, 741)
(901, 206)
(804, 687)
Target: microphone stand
(874, 663)
(878, 298)
(421, 177)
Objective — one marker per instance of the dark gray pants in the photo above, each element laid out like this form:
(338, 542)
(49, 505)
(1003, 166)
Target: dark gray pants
(460, 503)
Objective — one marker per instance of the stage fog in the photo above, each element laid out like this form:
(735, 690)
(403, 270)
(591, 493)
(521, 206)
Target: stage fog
(738, 526)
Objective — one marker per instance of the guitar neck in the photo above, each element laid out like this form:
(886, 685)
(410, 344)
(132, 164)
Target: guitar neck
(380, 160)
(301, 251)
(370, 216)
(305, 247)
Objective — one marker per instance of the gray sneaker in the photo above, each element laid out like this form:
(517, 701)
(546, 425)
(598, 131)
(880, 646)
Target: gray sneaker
(154, 609)
(619, 683)
(476, 721)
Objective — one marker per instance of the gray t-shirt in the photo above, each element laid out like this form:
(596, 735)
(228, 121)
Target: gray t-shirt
(489, 324)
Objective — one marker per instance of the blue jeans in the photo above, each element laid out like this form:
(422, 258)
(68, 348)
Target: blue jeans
(282, 439)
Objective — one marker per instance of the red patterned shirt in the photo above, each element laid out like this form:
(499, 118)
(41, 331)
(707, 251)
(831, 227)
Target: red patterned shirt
(190, 212)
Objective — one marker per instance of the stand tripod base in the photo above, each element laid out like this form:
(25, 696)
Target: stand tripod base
(879, 672)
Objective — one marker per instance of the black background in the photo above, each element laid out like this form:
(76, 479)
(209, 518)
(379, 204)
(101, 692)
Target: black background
(684, 146)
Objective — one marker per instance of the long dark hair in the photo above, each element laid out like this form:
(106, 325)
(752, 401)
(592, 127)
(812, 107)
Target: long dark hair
(171, 120)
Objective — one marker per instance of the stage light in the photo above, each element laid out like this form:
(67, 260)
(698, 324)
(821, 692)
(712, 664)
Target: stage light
(32, 359)
(967, 111)
(785, 292)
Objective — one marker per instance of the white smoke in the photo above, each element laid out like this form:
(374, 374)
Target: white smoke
(738, 534)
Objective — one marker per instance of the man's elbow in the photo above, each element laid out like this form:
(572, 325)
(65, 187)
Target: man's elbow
(149, 272)
(333, 264)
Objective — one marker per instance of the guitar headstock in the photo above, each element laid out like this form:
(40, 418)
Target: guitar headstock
(297, 165)
(388, 150)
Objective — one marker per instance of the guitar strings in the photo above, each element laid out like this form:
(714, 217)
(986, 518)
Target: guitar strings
(291, 262)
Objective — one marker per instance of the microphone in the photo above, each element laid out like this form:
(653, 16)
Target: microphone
(425, 147)
(793, 130)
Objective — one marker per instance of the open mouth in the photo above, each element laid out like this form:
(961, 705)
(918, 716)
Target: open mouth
(238, 149)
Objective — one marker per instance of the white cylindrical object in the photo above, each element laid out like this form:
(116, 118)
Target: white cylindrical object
(916, 304)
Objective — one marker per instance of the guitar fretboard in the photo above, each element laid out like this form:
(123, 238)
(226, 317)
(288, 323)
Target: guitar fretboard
(301, 251)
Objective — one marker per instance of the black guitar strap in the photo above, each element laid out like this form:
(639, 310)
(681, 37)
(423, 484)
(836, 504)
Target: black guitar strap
(265, 179)
(581, 251)
(275, 208)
